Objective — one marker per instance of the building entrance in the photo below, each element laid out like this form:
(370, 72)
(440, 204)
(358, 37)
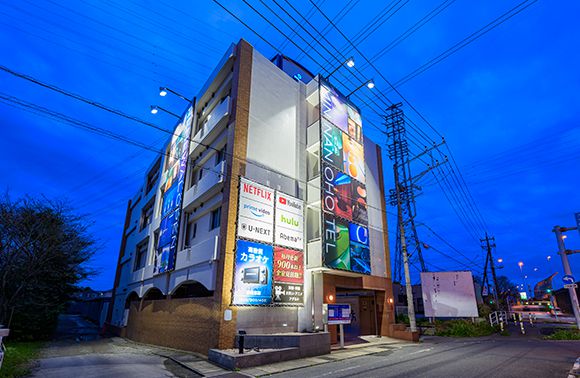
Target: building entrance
(364, 318)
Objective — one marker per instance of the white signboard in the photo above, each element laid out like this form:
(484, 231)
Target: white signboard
(289, 222)
(448, 294)
(256, 212)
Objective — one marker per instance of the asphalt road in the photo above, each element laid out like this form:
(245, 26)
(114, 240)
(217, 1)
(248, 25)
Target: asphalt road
(78, 351)
(443, 357)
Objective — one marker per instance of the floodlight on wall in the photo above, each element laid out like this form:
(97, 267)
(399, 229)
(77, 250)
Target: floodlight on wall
(349, 63)
(370, 84)
(155, 109)
(164, 90)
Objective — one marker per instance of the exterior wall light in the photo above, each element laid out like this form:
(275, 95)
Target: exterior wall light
(349, 63)
(369, 83)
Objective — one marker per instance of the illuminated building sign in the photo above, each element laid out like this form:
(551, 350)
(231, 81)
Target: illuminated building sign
(269, 268)
(288, 276)
(289, 221)
(172, 183)
(256, 212)
(344, 195)
(253, 274)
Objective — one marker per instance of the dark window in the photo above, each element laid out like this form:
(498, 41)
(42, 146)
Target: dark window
(153, 176)
(190, 233)
(155, 240)
(147, 214)
(220, 155)
(141, 255)
(215, 218)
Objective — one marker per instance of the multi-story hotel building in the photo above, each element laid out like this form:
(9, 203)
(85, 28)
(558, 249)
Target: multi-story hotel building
(268, 204)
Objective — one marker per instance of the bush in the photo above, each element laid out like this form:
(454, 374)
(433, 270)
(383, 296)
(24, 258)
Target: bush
(463, 328)
(564, 334)
(18, 358)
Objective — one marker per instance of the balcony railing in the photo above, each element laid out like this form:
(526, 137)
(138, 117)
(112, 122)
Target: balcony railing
(203, 188)
(213, 119)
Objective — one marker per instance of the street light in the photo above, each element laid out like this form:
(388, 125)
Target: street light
(369, 83)
(349, 63)
(155, 109)
(164, 90)
(500, 260)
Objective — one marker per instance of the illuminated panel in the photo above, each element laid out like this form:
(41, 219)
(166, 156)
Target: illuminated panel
(343, 177)
(172, 183)
(253, 273)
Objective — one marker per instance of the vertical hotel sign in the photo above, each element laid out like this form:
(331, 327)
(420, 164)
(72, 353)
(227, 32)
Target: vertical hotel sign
(344, 196)
(172, 185)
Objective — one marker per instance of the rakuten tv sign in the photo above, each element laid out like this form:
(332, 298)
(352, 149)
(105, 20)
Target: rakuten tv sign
(256, 212)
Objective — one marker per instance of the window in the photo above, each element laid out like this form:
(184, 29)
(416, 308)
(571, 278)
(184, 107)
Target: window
(190, 233)
(196, 175)
(147, 214)
(215, 218)
(141, 255)
(153, 176)
(220, 155)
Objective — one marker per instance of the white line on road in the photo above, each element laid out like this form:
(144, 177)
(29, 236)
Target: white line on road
(338, 371)
(421, 351)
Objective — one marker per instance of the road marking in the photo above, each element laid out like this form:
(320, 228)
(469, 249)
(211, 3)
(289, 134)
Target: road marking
(339, 370)
(421, 351)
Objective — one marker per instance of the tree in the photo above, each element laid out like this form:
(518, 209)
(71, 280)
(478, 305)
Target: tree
(44, 249)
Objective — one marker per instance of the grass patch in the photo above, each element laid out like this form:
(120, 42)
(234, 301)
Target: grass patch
(463, 328)
(564, 334)
(18, 358)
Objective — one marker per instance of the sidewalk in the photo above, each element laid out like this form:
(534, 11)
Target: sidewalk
(373, 345)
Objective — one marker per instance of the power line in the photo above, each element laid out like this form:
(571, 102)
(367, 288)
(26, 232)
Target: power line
(465, 42)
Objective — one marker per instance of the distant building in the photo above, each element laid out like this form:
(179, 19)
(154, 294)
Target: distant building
(271, 206)
(91, 304)
(562, 299)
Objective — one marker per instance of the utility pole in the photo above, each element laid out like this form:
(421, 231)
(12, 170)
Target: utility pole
(409, 287)
(564, 255)
(399, 152)
(489, 260)
(403, 196)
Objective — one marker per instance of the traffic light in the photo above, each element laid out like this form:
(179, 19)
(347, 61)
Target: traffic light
(549, 291)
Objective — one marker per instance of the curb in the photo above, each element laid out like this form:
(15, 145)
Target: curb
(575, 372)
(180, 363)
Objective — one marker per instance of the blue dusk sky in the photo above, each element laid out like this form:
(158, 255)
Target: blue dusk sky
(507, 104)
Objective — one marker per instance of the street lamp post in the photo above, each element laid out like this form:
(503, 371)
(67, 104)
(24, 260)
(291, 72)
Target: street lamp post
(564, 255)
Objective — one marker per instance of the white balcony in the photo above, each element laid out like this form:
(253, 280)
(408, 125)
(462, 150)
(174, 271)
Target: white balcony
(206, 187)
(203, 252)
(212, 126)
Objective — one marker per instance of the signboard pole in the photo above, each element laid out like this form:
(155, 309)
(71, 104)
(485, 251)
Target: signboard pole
(341, 326)
(571, 290)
